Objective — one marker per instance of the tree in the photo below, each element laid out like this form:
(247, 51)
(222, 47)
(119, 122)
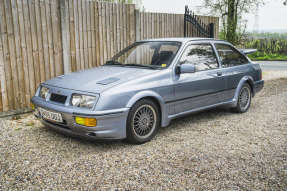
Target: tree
(231, 12)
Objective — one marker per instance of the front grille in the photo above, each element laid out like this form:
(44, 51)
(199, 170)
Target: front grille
(58, 98)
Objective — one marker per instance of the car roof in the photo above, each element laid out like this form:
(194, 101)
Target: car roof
(181, 39)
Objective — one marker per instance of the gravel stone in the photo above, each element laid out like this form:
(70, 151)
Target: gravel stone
(211, 150)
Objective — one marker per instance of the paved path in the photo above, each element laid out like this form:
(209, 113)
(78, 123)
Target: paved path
(273, 65)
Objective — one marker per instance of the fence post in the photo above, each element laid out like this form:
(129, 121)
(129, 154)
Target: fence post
(211, 30)
(64, 14)
(184, 25)
(137, 24)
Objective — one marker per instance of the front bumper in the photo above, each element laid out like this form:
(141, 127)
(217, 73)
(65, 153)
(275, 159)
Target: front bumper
(111, 124)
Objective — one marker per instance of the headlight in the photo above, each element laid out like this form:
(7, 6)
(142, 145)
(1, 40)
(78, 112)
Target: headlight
(83, 101)
(44, 92)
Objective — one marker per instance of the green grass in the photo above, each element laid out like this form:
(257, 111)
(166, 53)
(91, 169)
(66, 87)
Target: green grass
(259, 56)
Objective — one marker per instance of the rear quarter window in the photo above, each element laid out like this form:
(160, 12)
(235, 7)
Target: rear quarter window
(229, 56)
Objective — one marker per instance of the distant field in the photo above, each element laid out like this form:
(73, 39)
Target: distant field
(259, 56)
(268, 49)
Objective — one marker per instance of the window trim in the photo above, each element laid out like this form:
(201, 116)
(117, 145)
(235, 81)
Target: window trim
(201, 43)
(234, 49)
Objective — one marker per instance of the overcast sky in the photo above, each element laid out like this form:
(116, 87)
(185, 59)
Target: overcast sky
(272, 16)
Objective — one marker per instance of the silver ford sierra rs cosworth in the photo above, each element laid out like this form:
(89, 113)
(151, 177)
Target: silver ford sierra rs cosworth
(146, 85)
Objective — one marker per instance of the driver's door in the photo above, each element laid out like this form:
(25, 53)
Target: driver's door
(202, 88)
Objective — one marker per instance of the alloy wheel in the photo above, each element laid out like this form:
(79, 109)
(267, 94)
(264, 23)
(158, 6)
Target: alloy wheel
(144, 121)
(244, 98)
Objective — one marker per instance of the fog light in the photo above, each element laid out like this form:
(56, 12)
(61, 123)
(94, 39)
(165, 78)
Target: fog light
(89, 122)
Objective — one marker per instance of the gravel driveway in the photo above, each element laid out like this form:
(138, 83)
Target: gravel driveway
(215, 150)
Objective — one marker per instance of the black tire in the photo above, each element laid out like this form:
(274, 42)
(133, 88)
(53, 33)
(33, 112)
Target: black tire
(243, 102)
(143, 121)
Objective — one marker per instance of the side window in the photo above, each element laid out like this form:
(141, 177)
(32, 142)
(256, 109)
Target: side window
(229, 56)
(201, 55)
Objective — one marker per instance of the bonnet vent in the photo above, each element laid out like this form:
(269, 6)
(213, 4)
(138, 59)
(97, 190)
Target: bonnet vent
(108, 81)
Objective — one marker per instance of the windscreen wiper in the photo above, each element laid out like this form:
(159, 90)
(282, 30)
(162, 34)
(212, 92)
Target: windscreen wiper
(143, 66)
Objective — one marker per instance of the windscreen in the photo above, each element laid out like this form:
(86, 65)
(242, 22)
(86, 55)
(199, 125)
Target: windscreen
(157, 55)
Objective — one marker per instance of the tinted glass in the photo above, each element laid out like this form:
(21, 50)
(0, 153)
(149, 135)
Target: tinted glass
(147, 54)
(201, 55)
(229, 56)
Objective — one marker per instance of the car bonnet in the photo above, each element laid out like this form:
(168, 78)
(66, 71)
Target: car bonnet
(97, 80)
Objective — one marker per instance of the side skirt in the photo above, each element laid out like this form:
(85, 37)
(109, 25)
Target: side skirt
(231, 103)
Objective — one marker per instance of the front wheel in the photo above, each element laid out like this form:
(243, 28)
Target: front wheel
(244, 99)
(143, 122)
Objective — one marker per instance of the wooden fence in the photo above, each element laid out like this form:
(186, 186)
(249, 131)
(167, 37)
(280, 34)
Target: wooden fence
(158, 25)
(41, 39)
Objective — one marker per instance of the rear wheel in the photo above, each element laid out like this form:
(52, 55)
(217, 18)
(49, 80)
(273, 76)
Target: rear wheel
(244, 99)
(143, 122)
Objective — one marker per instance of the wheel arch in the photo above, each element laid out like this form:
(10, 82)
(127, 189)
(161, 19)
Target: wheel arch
(156, 98)
(246, 79)
(250, 82)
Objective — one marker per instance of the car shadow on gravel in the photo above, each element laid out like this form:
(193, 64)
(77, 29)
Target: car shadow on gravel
(195, 118)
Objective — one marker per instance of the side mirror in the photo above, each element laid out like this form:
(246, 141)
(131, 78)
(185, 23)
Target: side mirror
(185, 67)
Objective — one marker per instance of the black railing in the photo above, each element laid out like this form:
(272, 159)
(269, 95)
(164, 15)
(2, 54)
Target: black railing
(194, 27)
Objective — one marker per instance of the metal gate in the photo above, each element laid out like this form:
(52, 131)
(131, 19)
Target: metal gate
(194, 27)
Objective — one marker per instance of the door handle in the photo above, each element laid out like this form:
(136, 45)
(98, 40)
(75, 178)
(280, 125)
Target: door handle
(219, 73)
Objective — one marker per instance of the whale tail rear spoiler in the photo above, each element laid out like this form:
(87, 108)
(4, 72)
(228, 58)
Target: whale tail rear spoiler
(248, 51)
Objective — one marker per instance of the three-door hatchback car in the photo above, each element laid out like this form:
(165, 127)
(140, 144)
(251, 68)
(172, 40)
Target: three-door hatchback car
(147, 85)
